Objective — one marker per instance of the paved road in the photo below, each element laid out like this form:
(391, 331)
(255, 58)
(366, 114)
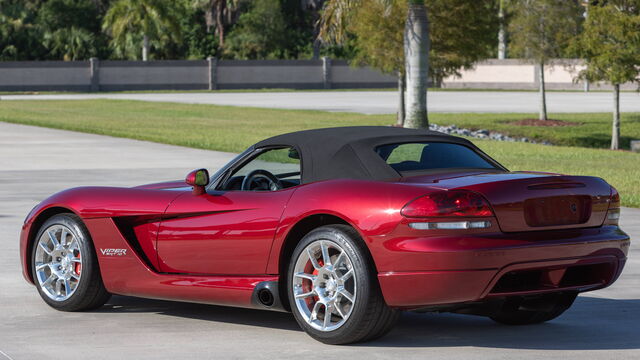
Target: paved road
(35, 162)
(382, 102)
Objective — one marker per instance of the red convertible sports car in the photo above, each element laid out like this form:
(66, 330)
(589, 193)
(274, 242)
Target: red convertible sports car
(344, 227)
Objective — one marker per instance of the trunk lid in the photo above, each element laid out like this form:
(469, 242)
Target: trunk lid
(528, 201)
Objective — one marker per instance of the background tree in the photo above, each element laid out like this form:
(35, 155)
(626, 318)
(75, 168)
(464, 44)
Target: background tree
(336, 17)
(461, 33)
(378, 31)
(71, 29)
(20, 37)
(610, 45)
(142, 22)
(71, 43)
(261, 33)
(312, 8)
(541, 30)
(502, 36)
(219, 15)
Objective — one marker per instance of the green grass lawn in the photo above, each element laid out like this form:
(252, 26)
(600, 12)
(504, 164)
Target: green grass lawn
(232, 129)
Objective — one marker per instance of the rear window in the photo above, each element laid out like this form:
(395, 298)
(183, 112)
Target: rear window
(407, 157)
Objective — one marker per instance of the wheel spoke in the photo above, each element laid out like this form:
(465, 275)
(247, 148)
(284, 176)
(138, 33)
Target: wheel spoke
(73, 244)
(314, 312)
(313, 260)
(325, 253)
(45, 248)
(346, 275)
(75, 276)
(58, 288)
(76, 260)
(49, 280)
(346, 294)
(303, 275)
(339, 259)
(67, 287)
(327, 317)
(305, 295)
(41, 266)
(53, 239)
(63, 237)
(339, 310)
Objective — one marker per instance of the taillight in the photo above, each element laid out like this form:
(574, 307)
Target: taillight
(613, 214)
(614, 203)
(456, 203)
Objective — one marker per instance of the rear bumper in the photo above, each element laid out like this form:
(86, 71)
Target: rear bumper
(458, 270)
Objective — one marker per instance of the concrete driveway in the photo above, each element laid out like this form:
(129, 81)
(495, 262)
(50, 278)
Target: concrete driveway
(380, 102)
(35, 162)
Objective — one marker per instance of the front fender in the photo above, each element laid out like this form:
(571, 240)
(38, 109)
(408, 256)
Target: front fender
(90, 203)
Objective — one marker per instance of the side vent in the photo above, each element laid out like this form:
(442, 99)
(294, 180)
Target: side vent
(141, 233)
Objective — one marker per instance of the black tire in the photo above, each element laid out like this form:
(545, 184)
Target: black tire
(90, 292)
(518, 311)
(370, 316)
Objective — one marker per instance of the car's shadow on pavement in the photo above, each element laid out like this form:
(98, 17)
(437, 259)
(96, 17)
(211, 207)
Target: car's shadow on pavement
(591, 324)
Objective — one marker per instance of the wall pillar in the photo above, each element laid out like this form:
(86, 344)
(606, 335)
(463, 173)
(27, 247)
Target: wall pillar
(94, 68)
(326, 72)
(213, 72)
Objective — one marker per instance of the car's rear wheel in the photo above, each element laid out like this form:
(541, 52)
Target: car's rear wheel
(65, 267)
(333, 290)
(519, 311)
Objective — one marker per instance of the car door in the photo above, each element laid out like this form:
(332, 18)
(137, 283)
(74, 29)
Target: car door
(229, 230)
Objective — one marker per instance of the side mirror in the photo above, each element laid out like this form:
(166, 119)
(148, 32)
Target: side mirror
(198, 179)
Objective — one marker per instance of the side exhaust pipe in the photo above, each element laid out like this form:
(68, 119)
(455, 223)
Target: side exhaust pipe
(266, 296)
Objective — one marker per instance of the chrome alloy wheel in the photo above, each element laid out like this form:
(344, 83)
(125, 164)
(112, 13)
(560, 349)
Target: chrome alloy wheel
(58, 262)
(324, 285)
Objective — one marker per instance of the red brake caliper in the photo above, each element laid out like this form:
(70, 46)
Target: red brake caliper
(315, 272)
(78, 266)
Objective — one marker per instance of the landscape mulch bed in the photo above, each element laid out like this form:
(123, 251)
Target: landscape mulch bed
(538, 122)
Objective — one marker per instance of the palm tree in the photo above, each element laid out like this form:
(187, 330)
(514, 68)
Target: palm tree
(70, 43)
(218, 14)
(335, 18)
(129, 21)
(313, 7)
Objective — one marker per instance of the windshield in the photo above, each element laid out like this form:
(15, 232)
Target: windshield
(223, 169)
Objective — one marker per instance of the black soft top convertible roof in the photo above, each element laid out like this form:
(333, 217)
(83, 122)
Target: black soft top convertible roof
(349, 152)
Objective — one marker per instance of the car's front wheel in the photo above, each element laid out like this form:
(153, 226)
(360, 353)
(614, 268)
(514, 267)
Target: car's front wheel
(65, 267)
(332, 288)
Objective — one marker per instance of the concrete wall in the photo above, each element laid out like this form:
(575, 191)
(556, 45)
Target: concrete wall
(516, 74)
(97, 75)
(152, 75)
(295, 74)
(45, 76)
(186, 75)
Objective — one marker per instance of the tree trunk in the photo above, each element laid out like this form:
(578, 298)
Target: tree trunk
(543, 94)
(316, 49)
(401, 89)
(615, 131)
(220, 23)
(145, 48)
(502, 45)
(416, 53)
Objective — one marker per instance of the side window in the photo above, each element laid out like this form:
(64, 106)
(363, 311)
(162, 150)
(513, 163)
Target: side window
(270, 170)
